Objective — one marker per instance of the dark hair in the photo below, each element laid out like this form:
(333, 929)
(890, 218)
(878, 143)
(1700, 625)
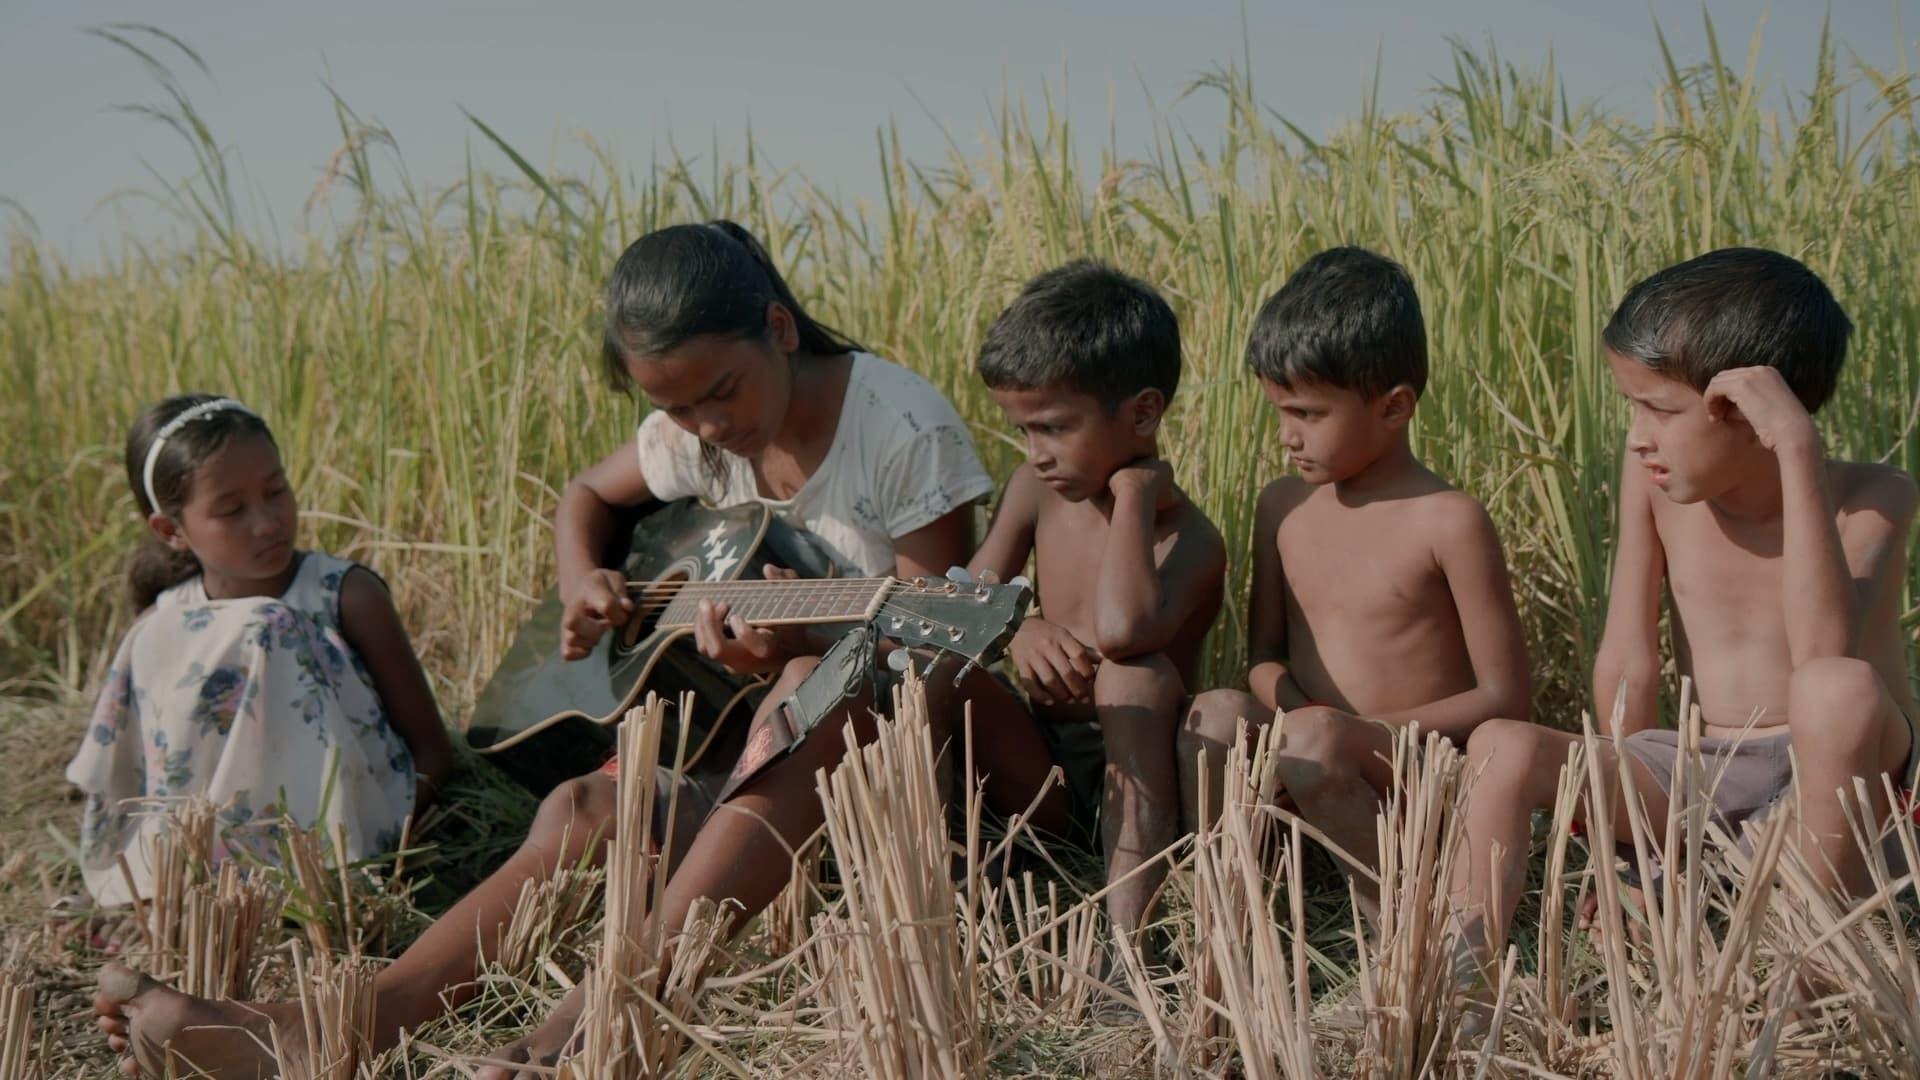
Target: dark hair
(1087, 326)
(1736, 307)
(154, 567)
(685, 281)
(1348, 318)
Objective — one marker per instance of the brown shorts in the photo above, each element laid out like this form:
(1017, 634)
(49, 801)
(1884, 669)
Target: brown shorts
(1075, 743)
(1081, 752)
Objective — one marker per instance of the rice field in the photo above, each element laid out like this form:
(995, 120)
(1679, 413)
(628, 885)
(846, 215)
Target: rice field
(429, 365)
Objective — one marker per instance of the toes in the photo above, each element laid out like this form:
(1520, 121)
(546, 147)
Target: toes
(118, 1043)
(119, 984)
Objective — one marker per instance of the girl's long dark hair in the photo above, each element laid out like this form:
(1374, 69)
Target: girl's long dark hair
(154, 567)
(684, 281)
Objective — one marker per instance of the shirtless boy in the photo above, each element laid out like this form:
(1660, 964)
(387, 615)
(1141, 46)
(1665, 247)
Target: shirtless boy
(1129, 571)
(1380, 595)
(1784, 567)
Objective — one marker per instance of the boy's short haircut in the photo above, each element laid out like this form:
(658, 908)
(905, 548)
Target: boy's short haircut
(1736, 307)
(1086, 326)
(1347, 318)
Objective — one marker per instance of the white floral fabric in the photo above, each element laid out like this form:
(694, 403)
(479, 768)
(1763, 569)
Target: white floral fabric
(259, 705)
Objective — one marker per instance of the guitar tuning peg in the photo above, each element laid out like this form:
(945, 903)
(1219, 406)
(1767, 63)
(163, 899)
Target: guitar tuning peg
(959, 574)
(898, 661)
(1020, 581)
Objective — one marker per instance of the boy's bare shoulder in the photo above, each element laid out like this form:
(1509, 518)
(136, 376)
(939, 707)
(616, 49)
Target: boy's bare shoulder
(1452, 519)
(1281, 496)
(1194, 522)
(1868, 487)
(1448, 505)
(1025, 491)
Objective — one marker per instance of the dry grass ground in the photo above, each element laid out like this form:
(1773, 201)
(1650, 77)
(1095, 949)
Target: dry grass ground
(426, 360)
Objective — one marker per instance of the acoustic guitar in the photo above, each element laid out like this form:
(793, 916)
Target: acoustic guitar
(544, 719)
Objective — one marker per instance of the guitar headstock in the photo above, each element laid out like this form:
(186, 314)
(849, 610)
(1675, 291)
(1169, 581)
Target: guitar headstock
(956, 614)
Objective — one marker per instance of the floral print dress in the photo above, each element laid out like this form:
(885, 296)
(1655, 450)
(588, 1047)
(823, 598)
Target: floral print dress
(259, 705)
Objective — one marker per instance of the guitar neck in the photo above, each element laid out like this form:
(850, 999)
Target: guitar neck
(775, 603)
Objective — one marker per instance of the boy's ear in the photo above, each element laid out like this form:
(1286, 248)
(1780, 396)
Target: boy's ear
(782, 331)
(1396, 405)
(168, 530)
(1145, 410)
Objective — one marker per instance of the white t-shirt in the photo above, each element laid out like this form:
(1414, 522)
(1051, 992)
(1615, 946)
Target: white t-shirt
(901, 459)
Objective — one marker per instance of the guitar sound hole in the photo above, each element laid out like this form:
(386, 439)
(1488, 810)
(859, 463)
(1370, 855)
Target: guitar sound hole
(650, 598)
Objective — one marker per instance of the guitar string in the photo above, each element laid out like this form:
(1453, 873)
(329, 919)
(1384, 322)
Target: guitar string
(679, 583)
(657, 603)
(839, 589)
(888, 594)
(930, 585)
(887, 606)
(816, 588)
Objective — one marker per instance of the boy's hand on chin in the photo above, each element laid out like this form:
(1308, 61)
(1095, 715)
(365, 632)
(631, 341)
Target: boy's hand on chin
(1148, 478)
(1056, 667)
(1761, 399)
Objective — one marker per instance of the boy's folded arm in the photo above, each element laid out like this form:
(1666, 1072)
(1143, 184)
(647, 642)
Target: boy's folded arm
(1140, 608)
(1627, 664)
(1816, 576)
(1476, 571)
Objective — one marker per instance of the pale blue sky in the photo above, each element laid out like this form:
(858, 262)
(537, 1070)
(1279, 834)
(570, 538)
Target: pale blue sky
(816, 78)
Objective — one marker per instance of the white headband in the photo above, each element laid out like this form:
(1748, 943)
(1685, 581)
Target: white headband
(172, 427)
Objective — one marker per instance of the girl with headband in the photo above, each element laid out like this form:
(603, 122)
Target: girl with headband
(275, 682)
(752, 400)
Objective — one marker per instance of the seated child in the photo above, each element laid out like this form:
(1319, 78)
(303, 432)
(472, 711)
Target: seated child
(257, 675)
(1129, 571)
(1784, 566)
(1380, 595)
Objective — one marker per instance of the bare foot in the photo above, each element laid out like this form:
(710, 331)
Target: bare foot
(544, 1045)
(155, 1029)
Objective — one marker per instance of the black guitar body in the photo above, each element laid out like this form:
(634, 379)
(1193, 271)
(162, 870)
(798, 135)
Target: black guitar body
(544, 720)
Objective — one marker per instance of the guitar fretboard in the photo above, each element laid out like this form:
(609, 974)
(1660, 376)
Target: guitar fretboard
(811, 601)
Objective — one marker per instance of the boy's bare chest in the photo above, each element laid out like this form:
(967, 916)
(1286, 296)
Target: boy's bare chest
(1724, 584)
(1372, 572)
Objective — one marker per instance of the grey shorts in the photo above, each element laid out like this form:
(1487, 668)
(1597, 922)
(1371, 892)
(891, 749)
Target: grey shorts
(1744, 778)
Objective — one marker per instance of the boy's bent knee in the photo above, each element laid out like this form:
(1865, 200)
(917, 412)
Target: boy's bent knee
(1314, 732)
(1190, 743)
(1833, 688)
(1317, 748)
(1509, 747)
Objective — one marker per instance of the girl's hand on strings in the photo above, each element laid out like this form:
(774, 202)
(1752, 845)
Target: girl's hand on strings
(733, 642)
(598, 604)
